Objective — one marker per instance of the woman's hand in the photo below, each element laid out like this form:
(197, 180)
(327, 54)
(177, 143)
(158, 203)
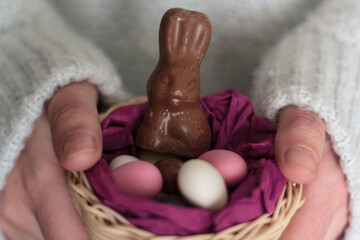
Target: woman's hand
(35, 202)
(304, 154)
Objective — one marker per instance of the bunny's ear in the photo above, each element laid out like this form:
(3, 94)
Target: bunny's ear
(184, 36)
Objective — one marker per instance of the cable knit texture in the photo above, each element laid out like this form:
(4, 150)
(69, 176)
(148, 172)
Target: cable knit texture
(312, 60)
(317, 67)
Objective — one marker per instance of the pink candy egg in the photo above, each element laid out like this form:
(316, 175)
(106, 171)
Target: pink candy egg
(231, 166)
(138, 178)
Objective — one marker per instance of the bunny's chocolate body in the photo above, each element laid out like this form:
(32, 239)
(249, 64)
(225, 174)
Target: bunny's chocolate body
(175, 122)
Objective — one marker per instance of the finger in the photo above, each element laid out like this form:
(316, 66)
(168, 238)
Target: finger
(75, 127)
(299, 144)
(316, 220)
(14, 232)
(17, 219)
(57, 215)
(51, 201)
(311, 221)
(325, 212)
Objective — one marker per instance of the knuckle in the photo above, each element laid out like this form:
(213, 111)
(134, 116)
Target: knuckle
(5, 211)
(70, 113)
(84, 88)
(309, 123)
(46, 176)
(29, 184)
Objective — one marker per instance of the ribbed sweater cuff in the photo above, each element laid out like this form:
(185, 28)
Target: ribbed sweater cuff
(35, 61)
(318, 71)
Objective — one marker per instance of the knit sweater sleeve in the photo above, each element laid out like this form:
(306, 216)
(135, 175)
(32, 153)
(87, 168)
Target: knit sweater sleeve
(317, 67)
(40, 54)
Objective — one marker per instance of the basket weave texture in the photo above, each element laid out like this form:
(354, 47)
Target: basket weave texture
(103, 223)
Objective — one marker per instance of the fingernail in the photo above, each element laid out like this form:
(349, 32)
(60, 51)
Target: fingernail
(79, 143)
(301, 157)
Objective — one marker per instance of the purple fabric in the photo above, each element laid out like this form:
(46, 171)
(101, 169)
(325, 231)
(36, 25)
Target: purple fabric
(234, 127)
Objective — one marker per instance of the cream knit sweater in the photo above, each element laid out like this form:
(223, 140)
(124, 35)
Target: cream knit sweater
(310, 54)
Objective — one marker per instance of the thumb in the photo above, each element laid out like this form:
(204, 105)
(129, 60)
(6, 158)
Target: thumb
(299, 144)
(75, 128)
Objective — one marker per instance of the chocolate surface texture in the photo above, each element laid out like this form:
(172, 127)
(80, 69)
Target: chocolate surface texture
(175, 122)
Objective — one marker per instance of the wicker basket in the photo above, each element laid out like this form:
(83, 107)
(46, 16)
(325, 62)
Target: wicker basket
(103, 223)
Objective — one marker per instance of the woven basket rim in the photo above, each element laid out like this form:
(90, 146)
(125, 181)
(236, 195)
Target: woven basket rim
(104, 223)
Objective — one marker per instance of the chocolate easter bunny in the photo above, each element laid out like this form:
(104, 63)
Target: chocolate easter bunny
(175, 123)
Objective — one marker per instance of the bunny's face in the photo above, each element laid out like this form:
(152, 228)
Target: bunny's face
(177, 84)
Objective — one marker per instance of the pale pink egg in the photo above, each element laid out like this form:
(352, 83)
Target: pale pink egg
(231, 166)
(138, 178)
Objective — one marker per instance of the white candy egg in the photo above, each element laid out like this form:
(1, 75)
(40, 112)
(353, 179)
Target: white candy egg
(121, 160)
(202, 185)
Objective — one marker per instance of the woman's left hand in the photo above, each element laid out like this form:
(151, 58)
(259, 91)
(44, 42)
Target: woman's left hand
(304, 155)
